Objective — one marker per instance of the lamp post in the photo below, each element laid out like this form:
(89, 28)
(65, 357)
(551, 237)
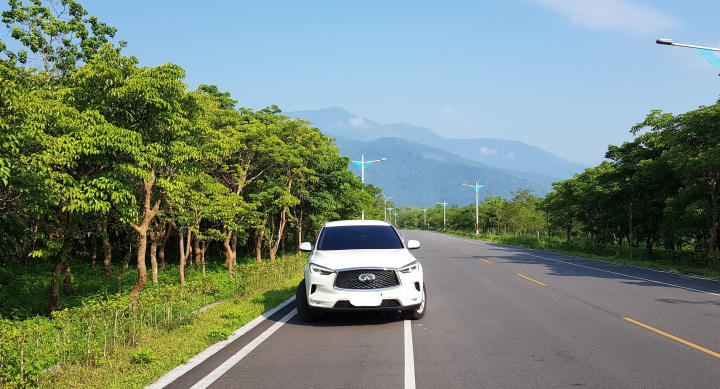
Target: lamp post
(388, 209)
(395, 219)
(444, 204)
(476, 187)
(386, 199)
(425, 217)
(703, 51)
(670, 42)
(362, 164)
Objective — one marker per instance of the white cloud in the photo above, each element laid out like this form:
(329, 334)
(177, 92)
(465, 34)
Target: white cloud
(487, 151)
(448, 111)
(357, 122)
(511, 155)
(619, 15)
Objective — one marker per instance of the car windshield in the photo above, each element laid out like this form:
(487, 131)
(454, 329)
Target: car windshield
(358, 238)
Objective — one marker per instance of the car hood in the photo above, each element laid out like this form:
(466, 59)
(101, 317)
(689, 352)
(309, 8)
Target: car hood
(345, 259)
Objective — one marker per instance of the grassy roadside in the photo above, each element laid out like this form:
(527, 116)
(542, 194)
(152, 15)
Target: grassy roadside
(169, 349)
(106, 344)
(628, 256)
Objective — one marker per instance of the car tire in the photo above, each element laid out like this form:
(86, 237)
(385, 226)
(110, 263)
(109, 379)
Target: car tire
(301, 303)
(419, 312)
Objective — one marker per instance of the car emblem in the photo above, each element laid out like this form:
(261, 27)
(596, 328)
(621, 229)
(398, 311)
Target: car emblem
(366, 277)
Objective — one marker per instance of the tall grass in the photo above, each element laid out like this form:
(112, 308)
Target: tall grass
(89, 334)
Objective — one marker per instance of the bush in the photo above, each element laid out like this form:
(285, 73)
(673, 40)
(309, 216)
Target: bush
(142, 356)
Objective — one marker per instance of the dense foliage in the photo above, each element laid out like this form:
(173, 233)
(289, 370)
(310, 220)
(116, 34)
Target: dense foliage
(102, 157)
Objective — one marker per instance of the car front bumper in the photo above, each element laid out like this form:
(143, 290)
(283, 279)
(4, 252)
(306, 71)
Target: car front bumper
(324, 296)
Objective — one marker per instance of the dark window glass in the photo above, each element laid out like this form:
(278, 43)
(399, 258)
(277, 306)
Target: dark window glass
(359, 237)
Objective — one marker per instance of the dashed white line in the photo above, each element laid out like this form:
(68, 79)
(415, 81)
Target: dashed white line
(409, 357)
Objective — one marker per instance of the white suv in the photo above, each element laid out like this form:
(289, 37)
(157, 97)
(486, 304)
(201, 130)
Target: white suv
(361, 265)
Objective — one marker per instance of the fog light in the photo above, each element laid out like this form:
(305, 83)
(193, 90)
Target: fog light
(417, 286)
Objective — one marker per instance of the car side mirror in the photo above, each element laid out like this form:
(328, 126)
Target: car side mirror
(306, 247)
(413, 244)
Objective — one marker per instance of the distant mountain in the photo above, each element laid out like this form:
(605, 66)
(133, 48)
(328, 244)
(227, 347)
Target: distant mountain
(505, 154)
(422, 175)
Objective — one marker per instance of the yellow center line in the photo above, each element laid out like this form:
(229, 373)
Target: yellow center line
(530, 279)
(463, 252)
(486, 261)
(673, 337)
(451, 247)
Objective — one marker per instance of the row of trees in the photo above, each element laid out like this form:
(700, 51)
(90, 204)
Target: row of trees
(660, 190)
(520, 215)
(101, 154)
(663, 188)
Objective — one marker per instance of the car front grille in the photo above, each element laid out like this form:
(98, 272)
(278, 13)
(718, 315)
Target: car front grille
(385, 303)
(350, 279)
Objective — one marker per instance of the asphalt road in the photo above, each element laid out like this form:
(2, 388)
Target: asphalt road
(497, 317)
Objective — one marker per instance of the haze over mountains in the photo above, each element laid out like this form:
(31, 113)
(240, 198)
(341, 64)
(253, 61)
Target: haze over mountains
(495, 152)
(424, 168)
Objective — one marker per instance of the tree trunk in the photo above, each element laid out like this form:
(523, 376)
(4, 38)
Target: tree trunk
(107, 252)
(181, 240)
(281, 228)
(298, 240)
(125, 266)
(149, 212)
(54, 292)
(93, 250)
(67, 282)
(230, 252)
(197, 251)
(203, 248)
(167, 230)
(153, 260)
(259, 234)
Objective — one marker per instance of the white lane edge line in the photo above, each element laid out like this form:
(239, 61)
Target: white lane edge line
(623, 275)
(232, 361)
(409, 357)
(175, 373)
(600, 270)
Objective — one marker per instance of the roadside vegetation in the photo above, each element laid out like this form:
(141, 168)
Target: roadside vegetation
(127, 202)
(655, 201)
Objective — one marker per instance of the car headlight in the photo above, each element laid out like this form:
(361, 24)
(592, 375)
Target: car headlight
(317, 269)
(410, 267)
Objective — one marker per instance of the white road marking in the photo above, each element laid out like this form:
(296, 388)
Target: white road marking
(208, 352)
(409, 358)
(600, 270)
(230, 362)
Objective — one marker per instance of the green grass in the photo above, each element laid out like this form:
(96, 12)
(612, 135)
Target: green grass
(170, 348)
(103, 343)
(684, 262)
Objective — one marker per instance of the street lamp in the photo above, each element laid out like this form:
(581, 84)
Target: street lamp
(703, 51)
(362, 164)
(670, 42)
(444, 204)
(425, 217)
(386, 199)
(395, 219)
(476, 187)
(388, 209)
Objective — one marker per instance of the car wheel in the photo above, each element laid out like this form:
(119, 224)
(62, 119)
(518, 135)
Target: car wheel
(301, 303)
(417, 313)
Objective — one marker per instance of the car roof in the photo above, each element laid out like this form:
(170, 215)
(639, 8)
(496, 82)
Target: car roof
(340, 223)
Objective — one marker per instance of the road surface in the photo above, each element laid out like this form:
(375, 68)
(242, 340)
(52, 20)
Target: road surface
(497, 317)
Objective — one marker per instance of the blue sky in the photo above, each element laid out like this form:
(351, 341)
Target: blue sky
(569, 76)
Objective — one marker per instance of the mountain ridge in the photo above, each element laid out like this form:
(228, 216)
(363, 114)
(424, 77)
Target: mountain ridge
(514, 155)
